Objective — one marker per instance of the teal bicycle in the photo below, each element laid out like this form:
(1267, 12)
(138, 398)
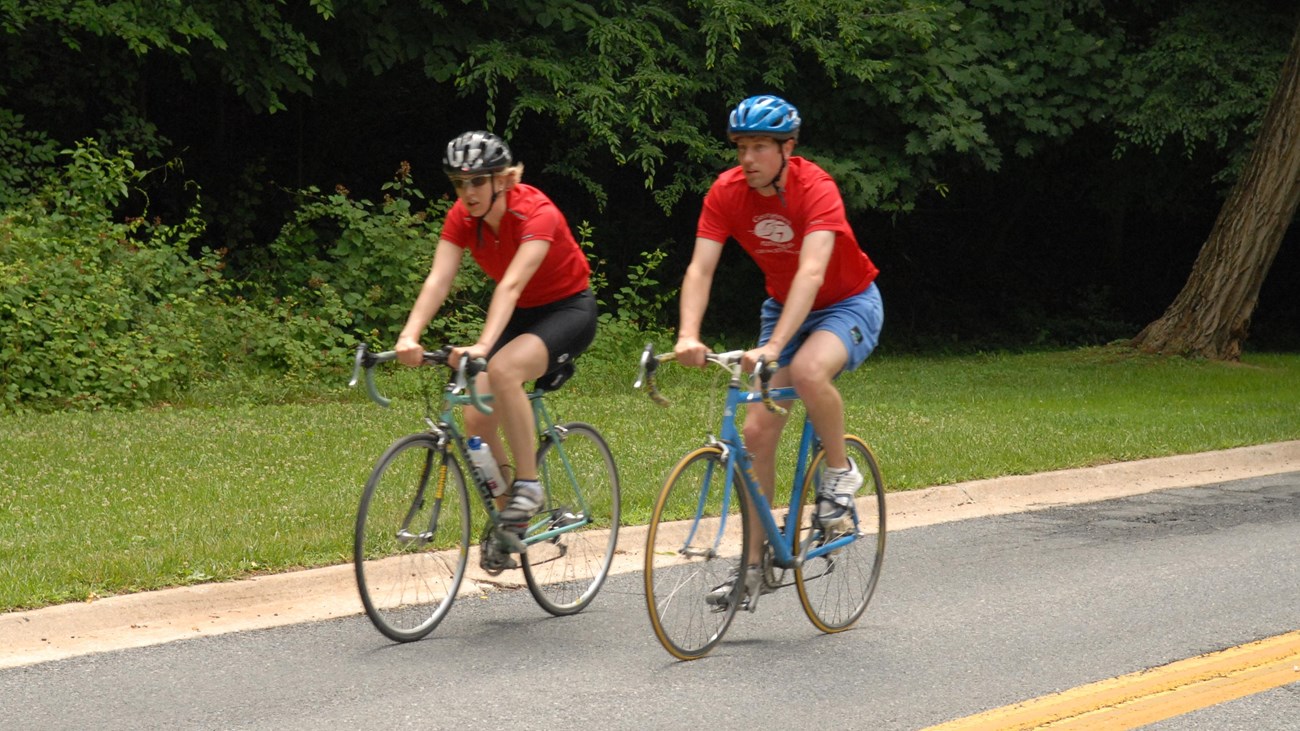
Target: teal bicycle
(698, 537)
(412, 542)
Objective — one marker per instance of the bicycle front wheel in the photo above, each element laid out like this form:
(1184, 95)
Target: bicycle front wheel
(835, 587)
(695, 540)
(412, 538)
(571, 541)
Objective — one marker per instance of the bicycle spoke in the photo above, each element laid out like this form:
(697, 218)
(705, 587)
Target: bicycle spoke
(571, 547)
(692, 546)
(836, 586)
(408, 580)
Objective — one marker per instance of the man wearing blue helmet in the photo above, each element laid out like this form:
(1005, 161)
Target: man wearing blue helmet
(823, 313)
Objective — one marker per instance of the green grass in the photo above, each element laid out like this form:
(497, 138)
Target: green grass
(94, 504)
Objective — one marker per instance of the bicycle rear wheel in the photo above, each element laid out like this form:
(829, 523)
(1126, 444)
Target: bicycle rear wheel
(412, 538)
(565, 570)
(695, 539)
(835, 588)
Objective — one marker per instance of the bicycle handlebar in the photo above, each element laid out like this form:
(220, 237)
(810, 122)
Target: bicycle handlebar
(728, 361)
(365, 362)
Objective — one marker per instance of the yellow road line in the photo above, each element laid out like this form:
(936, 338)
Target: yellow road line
(1145, 697)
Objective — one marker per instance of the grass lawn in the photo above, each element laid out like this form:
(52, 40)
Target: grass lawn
(94, 504)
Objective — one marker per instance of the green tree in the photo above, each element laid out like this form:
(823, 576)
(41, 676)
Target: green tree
(906, 102)
(1210, 317)
(256, 47)
(892, 91)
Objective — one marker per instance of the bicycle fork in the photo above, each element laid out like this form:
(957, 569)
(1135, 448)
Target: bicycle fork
(404, 535)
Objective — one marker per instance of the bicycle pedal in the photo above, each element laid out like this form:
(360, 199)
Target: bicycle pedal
(754, 588)
(493, 566)
(510, 541)
(832, 536)
(493, 560)
(565, 518)
(839, 526)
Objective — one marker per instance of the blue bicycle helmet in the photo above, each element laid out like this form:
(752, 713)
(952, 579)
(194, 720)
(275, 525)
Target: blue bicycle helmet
(766, 116)
(476, 152)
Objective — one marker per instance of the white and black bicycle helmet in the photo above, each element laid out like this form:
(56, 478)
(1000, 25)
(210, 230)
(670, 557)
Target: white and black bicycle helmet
(476, 152)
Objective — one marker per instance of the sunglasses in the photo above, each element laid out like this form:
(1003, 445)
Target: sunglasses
(474, 182)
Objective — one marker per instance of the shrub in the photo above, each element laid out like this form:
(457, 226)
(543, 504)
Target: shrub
(100, 310)
(369, 259)
(95, 312)
(632, 313)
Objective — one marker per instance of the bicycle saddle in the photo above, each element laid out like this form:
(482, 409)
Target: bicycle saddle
(555, 378)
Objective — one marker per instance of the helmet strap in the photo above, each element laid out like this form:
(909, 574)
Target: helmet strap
(773, 185)
(492, 180)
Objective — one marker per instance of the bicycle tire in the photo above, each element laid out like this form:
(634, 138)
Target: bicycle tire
(835, 589)
(686, 559)
(565, 572)
(409, 580)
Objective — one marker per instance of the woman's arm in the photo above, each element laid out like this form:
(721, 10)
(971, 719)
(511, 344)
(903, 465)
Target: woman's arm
(527, 260)
(434, 291)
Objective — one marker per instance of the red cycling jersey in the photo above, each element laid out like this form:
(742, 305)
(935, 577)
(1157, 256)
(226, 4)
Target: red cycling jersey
(772, 229)
(530, 216)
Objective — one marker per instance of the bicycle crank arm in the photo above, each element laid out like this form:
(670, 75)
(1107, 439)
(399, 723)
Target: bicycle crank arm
(406, 537)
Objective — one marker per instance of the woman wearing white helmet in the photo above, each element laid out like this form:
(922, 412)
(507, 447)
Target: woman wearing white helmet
(542, 314)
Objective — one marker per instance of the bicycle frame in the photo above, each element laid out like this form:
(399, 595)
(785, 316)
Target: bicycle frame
(737, 460)
(699, 571)
(458, 393)
(408, 581)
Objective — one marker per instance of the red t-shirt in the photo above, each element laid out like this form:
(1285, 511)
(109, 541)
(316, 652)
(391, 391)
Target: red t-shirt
(530, 216)
(772, 231)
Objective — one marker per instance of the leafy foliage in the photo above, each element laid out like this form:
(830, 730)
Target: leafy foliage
(24, 154)
(900, 96)
(632, 313)
(366, 258)
(96, 313)
(98, 310)
(892, 92)
(1205, 79)
(948, 106)
(259, 48)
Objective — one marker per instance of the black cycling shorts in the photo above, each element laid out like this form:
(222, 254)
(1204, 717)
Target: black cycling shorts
(565, 326)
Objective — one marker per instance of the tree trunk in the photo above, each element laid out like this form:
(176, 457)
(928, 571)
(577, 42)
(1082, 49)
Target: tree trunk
(1211, 316)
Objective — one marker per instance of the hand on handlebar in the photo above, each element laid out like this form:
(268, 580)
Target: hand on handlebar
(409, 351)
(470, 352)
(465, 371)
(767, 354)
(690, 352)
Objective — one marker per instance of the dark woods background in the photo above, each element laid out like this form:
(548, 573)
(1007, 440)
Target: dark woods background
(1024, 173)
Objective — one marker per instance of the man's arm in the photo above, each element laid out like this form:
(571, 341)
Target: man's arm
(695, 300)
(814, 257)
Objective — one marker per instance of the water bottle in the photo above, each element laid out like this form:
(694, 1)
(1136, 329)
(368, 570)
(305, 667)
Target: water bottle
(481, 456)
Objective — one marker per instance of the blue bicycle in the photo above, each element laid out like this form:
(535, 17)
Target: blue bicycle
(698, 537)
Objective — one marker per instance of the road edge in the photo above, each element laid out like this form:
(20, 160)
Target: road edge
(150, 618)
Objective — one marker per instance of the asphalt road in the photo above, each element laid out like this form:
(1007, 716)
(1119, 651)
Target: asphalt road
(970, 615)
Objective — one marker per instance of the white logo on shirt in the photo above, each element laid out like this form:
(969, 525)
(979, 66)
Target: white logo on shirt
(775, 233)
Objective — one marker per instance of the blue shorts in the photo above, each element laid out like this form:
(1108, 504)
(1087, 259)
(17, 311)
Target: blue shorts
(855, 320)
